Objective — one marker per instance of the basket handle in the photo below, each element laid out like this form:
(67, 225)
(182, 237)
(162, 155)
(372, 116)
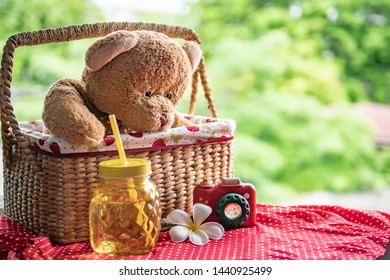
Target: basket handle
(76, 32)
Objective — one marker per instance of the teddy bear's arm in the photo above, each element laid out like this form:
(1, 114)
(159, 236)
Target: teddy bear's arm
(66, 115)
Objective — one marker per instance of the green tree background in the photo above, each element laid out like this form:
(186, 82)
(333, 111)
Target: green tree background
(37, 67)
(289, 73)
(293, 72)
(339, 41)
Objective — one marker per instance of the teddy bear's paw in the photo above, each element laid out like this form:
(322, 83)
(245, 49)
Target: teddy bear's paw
(180, 121)
(92, 142)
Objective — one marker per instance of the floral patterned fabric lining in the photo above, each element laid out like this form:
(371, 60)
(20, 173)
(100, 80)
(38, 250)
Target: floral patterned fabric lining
(204, 130)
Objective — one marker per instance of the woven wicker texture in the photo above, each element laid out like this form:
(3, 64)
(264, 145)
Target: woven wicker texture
(51, 195)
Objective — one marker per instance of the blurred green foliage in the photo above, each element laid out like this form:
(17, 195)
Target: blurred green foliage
(43, 64)
(288, 144)
(289, 72)
(350, 36)
(270, 62)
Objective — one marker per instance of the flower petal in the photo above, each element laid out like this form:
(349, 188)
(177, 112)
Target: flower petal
(213, 230)
(179, 217)
(179, 233)
(199, 237)
(201, 212)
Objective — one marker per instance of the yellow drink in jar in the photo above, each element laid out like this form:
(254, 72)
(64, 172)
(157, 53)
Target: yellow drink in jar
(125, 211)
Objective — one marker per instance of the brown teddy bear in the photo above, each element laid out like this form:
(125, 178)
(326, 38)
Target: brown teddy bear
(139, 76)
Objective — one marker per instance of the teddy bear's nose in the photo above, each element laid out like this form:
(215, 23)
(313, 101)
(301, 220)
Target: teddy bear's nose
(163, 119)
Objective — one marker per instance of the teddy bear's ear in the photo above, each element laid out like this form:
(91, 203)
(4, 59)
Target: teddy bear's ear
(104, 50)
(194, 53)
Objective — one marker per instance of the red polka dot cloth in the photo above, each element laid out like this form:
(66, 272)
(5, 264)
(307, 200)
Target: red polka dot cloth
(294, 232)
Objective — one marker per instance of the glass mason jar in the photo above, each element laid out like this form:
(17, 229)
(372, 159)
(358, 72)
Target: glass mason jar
(124, 214)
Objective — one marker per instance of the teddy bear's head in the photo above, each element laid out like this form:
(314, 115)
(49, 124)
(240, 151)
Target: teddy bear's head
(140, 77)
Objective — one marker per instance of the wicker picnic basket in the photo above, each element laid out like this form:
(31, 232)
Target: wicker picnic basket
(50, 194)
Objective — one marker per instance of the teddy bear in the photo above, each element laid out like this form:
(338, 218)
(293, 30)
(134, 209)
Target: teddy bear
(139, 76)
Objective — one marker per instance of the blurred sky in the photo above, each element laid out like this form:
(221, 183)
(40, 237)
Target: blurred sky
(125, 10)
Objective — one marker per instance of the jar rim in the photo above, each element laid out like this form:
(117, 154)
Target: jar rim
(114, 168)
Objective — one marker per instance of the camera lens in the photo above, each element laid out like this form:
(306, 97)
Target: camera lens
(232, 210)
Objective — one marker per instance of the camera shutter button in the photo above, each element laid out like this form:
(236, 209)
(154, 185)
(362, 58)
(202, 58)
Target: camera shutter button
(231, 181)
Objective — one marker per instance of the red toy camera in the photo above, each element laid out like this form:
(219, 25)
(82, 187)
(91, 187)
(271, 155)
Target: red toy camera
(233, 203)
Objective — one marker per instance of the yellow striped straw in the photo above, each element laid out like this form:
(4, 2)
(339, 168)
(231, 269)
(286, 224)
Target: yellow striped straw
(118, 140)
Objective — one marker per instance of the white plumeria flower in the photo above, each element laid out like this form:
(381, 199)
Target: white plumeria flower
(197, 232)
